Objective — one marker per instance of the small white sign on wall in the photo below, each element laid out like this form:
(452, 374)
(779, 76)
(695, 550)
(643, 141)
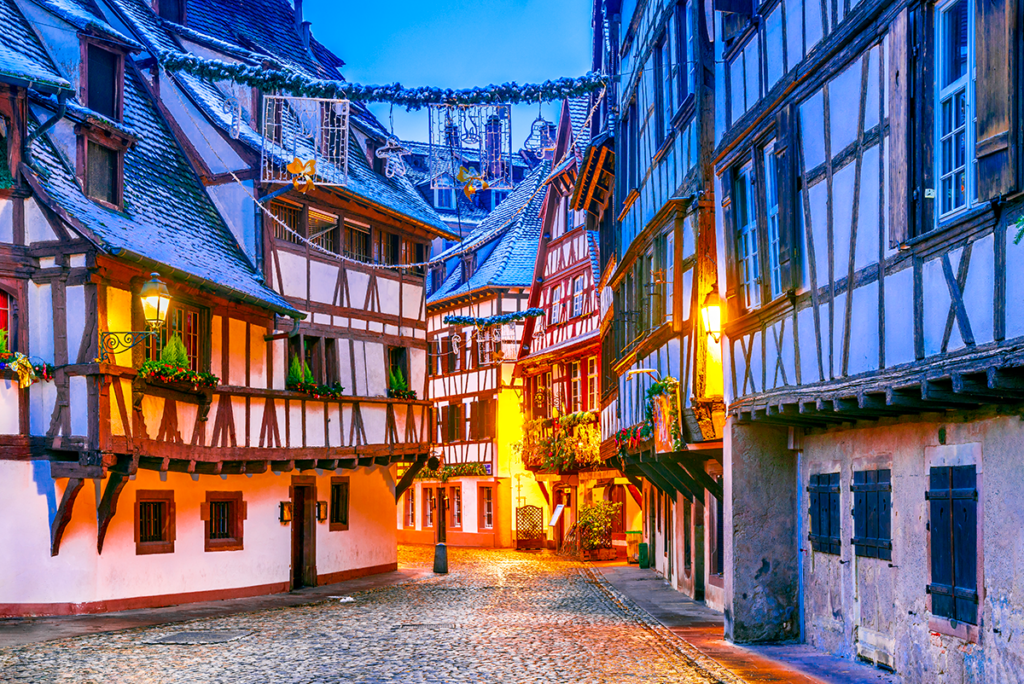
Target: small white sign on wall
(556, 515)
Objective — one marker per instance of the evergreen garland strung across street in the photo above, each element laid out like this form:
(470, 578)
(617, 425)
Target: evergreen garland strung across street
(491, 321)
(299, 85)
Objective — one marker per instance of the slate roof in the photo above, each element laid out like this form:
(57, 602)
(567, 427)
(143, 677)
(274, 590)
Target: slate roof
(579, 110)
(266, 28)
(507, 239)
(81, 16)
(22, 58)
(593, 241)
(168, 222)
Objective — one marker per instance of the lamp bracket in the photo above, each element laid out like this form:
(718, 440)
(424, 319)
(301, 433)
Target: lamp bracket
(114, 342)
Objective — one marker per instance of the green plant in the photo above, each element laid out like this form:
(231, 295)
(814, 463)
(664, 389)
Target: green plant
(3, 341)
(173, 353)
(396, 380)
(444, 473)
(1019, 225)
(594, 523)
(298, 372)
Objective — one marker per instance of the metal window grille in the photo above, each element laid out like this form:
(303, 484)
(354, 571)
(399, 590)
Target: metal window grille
(308, 129)
(291, 216)
(151, 521)
(221, 519)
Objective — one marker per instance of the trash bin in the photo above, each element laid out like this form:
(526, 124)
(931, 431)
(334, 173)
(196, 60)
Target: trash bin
(644, 562)
(633, 538)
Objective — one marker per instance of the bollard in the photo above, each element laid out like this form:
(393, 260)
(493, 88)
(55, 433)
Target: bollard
(441, 559)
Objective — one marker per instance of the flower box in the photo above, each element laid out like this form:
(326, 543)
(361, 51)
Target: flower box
(599, 554)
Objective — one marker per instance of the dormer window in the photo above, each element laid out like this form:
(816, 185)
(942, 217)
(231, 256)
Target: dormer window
(171, 10)
(102, 173)
(103, 81)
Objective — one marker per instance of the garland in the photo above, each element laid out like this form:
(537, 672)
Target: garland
(562, 444)
(28, 372)
(491, 321)
(316, 390)
(631, 437)
(170, 373)
(299, 85)
(447, 472)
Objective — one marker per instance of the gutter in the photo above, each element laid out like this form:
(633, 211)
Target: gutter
(203, 283)
(62, 108)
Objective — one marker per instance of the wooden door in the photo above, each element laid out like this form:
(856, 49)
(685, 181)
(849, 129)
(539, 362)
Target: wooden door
(303, 536)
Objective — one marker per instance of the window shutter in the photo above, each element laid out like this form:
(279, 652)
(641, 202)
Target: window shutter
(833, 513)
(729, 221)
(997, 33)
(964, 517)
(491, 425)
(474, 420)
(899, 115)
(204, 511)
(451, 355)
(941, 543)
(787, 198)
(815, 511)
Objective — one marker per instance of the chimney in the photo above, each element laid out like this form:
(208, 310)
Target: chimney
(298, 14)
(304, 33)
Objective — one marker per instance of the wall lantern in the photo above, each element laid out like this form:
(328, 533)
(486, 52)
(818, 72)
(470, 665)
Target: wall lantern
(711, 313)
(156, 301)
(285, 515)
(630, 375)
(321, 511)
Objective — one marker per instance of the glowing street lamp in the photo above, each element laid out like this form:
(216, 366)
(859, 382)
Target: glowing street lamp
(711, 313)
(156, 301)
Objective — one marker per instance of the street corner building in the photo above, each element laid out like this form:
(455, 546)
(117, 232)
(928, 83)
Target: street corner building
(868, 169)
(208, 375)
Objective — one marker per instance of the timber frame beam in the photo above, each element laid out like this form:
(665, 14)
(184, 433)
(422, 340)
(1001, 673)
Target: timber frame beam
(409, 476)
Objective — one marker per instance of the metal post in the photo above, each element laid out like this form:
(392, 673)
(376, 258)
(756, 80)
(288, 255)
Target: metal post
(441, 550)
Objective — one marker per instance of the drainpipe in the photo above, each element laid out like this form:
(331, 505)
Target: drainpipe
(62, 106)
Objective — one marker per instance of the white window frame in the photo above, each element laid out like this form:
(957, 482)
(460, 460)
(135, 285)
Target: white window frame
(578, 287)
(575, 393)
(556, 304)
(592, 391)
(771, 210)
(488, 507)
(747, 256)
(948, 93)
(444, 192)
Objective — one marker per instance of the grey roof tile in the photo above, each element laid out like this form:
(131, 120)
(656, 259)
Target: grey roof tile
(22, 58)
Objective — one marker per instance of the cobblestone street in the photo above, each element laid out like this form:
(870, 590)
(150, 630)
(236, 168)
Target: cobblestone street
(499, 616)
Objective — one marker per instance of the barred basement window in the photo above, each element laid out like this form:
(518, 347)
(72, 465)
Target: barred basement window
(872, 492)
(824, 534)
(339, 503)
(223, 513)
(154, 521)
(291, 216)
(410, 508)
(953, 503)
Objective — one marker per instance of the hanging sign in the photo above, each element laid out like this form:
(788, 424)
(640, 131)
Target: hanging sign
(663, 441)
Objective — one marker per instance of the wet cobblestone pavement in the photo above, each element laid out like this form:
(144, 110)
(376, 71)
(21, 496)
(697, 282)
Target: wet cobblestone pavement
(498, 616)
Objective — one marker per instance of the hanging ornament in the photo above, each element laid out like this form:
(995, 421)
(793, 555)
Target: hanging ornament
(537, 141)
(302, 174)
(470, 128)
(393, 151)
(456, 342)
(472, 182)
(233, 106)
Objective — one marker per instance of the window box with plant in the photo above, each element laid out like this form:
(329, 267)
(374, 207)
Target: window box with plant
(173, 371)
(398, 386)
(17, 365)
(300, 379)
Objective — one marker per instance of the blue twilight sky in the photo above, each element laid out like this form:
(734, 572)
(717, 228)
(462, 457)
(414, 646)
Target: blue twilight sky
(455, 44)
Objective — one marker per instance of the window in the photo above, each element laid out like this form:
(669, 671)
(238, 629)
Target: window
(824, 490)
(497, 197)
(323, 230)
(746, 237)
(171, 10)
(429, 503)
(718, 537)
(687, 537)
(556, 304)
(103, 82)
(592, 384)
(481, 419)
(102, 175)
(410, 507)
(453, 425)
(190, 324)
(953, 500)
(6, 319)
(454, 355)
(291, 216)
(771, 201)
(455, 507)
(574, 387)
(872, 490)
(684, 52)
(955, 50)
(386, 248)
(663, 93)
(223, 513)
(357, 241)
(339, 503)
(154, 521)
(577, 296)
(398, 364)
(444, 198)
(486, 508)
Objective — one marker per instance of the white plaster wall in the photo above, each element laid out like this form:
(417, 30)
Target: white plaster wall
(235, 204)
(9, 401)
(37, 227)
(293, 274)
(237, 359)
(6, 220)
(30, 496)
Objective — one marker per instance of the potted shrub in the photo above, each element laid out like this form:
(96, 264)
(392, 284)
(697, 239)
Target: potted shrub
(398, 387)
(173, 372)
(595, 529)
(300, 379)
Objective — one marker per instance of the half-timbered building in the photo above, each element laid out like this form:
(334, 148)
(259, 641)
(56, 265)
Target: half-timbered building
(245, 481)
(663, 410)
(484, 284)
(869, 175)
(560, 357)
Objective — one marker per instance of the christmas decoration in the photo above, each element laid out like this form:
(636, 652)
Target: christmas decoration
(460, 134)
(302, 174)
(305, 141)
(392, 153)
(164, 372)
(491, 321)
(661, 402)
(281, 80)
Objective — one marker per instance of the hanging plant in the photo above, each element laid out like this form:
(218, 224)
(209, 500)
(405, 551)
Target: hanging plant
(562, 444)
(445, 473)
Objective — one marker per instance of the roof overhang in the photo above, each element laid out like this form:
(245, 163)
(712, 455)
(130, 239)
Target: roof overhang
(596, 178)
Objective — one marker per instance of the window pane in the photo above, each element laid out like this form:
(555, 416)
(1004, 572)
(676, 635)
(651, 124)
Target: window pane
(954, 43)
(102, 76)
(101, 177)
(772, 212)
